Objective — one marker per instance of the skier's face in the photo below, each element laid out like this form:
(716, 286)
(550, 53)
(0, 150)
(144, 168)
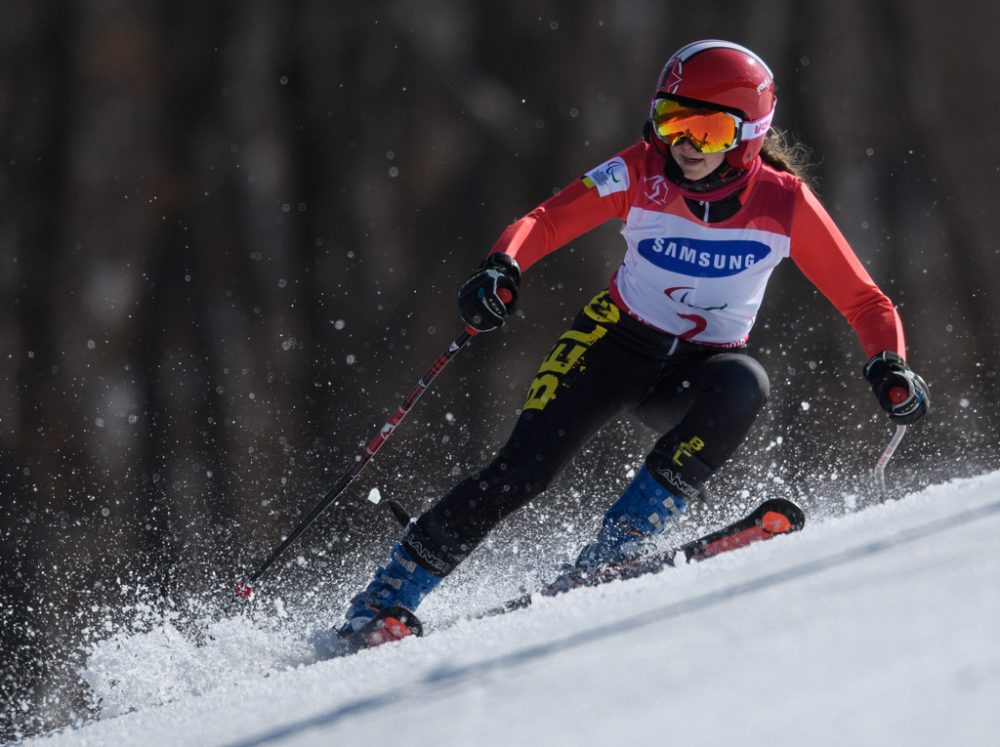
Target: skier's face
(694, 164)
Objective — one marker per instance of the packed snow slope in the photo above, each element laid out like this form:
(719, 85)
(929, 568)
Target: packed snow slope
(878, 627)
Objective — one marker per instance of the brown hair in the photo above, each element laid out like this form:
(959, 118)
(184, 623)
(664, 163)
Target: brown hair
(784, 154)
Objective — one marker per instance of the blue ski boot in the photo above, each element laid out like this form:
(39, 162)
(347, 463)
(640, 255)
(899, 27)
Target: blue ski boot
(400, 586)
(383, 612)
(631, 523)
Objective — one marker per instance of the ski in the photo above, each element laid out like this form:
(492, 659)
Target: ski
(771, 518)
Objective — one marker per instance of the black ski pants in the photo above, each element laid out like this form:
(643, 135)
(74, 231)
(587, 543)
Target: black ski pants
(702, 399)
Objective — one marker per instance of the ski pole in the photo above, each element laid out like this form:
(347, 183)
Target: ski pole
(244, 588)
(886, 456)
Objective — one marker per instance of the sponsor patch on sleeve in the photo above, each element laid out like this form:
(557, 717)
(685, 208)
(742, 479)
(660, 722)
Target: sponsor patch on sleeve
(610, 177)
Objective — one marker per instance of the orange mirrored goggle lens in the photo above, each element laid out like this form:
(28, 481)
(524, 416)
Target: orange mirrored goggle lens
(708, 130)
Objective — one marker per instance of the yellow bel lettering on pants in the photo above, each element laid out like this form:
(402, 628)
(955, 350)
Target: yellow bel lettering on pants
(568, 351)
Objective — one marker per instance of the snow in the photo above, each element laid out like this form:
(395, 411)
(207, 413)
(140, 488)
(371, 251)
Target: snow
(878, 627)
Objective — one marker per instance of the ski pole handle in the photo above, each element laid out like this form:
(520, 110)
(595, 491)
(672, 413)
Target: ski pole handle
(886, 456)
(244, 588)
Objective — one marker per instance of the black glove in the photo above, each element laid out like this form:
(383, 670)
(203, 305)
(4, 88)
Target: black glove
(900, 392)
(490, 293)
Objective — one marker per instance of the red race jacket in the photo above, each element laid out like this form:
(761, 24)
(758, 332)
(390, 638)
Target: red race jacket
(701, 281)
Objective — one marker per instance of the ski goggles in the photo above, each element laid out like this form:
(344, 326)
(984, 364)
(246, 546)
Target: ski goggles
(708, 130)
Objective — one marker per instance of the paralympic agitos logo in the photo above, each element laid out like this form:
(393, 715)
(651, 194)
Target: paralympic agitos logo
(703, 258)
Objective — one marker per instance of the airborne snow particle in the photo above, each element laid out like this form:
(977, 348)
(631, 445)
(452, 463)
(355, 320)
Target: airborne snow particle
(374, 496)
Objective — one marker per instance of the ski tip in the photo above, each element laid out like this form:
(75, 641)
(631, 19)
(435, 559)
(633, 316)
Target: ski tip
(776, 523)
(780, 516)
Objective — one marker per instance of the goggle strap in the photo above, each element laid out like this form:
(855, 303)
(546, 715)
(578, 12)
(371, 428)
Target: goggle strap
(757, 128)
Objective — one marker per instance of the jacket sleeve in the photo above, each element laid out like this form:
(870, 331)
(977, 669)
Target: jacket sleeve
(578, 208)
(824, 256)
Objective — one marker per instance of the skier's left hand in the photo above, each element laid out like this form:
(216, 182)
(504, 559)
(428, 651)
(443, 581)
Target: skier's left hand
(901, 393)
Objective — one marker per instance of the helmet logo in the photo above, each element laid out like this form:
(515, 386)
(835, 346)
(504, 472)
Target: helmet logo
(674, 77)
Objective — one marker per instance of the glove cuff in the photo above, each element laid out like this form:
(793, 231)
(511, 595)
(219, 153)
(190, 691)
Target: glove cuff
(882, 363)
(507, 264)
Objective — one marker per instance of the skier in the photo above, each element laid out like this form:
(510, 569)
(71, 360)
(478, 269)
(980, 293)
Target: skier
(712, 199)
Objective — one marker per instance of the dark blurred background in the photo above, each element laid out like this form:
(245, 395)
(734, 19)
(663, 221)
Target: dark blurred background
(231, 236)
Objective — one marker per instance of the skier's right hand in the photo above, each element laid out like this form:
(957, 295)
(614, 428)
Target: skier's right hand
(901, 393)
(489, 296)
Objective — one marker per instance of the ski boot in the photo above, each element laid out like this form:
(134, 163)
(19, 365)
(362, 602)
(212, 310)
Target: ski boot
(383, 612)
(628, 530)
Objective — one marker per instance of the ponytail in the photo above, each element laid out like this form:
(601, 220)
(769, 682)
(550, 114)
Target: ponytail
(784, 154)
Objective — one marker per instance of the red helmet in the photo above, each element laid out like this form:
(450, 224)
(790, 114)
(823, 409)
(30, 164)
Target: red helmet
(726, 76)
